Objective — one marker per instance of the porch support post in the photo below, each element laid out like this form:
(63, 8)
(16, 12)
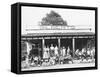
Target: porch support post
(59, 42)
(43, 44)
(73, 43)
(59, 48)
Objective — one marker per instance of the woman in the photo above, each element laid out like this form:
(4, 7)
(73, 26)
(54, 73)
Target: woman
(51, 50)
(64, 51)
(56, 51)
(68, 51)
(46, 54)
(77, 53)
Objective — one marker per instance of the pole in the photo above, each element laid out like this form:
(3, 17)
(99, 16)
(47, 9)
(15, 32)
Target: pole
(43, 44)
(73, 43)
(59, 48)
(59, 42)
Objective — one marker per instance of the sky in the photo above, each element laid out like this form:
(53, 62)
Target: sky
(31, 16)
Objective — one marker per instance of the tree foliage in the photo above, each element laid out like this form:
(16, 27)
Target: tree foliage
(53, 18)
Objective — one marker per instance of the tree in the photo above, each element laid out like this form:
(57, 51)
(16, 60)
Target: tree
(53, 18)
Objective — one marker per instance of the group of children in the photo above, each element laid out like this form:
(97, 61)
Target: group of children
(85, 53)
(51, 56)
(54, 55)
(53, 51)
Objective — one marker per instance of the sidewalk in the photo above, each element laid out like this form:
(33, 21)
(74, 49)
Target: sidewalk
(61, 66)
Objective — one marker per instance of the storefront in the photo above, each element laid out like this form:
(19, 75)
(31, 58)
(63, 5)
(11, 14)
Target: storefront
(72, 40)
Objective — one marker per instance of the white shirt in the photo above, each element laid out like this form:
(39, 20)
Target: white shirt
(52, 48)
(56, 50)
(45, 54)
(88, 52)
(64, 51)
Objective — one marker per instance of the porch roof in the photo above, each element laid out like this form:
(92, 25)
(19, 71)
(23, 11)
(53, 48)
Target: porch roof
(60, 34)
